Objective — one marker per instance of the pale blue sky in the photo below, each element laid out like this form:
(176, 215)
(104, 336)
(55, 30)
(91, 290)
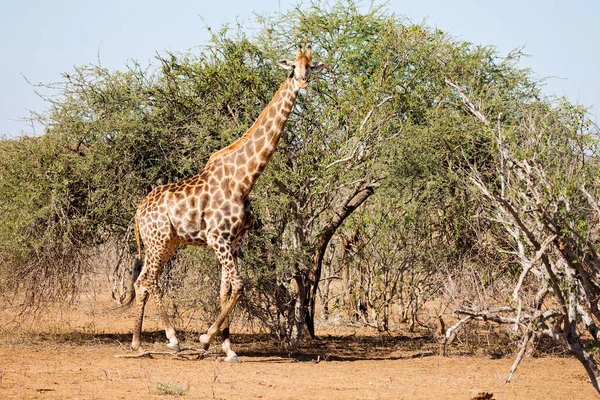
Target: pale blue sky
(40, 39)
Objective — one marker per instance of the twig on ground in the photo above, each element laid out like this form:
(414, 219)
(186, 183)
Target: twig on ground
(188, 354)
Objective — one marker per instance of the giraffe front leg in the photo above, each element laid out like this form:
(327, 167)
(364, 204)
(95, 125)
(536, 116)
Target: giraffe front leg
(224, 293)
(226, 346)
(224, 296)
(230, 283)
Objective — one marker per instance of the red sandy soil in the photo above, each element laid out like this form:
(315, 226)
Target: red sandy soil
(73, 357)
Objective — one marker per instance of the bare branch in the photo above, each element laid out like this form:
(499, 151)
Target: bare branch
(522, 347)
(528, 264)
(590, 199)
(450, 333)
(347, 158)
(468, 104)
(491, 315)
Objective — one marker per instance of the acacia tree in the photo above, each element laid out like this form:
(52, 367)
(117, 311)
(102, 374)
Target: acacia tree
(330, 163)
(382, 117)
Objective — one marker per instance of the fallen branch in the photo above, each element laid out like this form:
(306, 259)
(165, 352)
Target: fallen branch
(450, 334)
(522, 348)
(491, 315)
(186, 354)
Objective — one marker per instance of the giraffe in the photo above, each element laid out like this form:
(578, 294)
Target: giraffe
(212, 209)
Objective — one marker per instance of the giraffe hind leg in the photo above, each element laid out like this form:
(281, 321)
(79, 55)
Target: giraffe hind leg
(147, 285)
(142, 298)
(169, 330)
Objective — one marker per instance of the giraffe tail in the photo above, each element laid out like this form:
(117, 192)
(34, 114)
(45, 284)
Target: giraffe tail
(138, 263)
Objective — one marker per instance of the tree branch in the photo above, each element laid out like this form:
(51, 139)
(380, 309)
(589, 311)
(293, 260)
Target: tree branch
(468, 104)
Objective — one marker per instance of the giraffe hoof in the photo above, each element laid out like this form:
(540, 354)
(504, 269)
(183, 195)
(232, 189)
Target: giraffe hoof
(204, 342)
(232, 359)
(174, 347)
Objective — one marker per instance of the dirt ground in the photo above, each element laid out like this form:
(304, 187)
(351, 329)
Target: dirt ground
(73, 356)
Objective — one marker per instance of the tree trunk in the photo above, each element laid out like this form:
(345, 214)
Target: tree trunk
(296, 313)
(308, 280)
(361, 193)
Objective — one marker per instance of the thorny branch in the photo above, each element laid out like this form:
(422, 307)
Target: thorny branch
(538, 216)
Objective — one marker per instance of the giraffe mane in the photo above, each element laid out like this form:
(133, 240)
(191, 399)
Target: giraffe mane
(250, 131)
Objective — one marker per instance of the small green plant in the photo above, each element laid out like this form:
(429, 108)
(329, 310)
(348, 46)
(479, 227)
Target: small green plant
(171, 388)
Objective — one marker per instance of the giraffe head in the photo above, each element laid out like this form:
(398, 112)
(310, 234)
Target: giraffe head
(301, 67)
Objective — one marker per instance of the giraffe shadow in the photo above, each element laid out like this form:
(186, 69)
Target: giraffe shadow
(93, 338)
(263, 348)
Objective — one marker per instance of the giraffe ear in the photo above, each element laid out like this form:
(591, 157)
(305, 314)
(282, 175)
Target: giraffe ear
(285, 64)
(317, 66)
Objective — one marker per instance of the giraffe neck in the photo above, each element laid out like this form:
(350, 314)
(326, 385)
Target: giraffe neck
(251, 153)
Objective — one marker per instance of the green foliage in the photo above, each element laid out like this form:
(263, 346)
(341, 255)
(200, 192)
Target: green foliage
(50, 216)
(110, 138)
